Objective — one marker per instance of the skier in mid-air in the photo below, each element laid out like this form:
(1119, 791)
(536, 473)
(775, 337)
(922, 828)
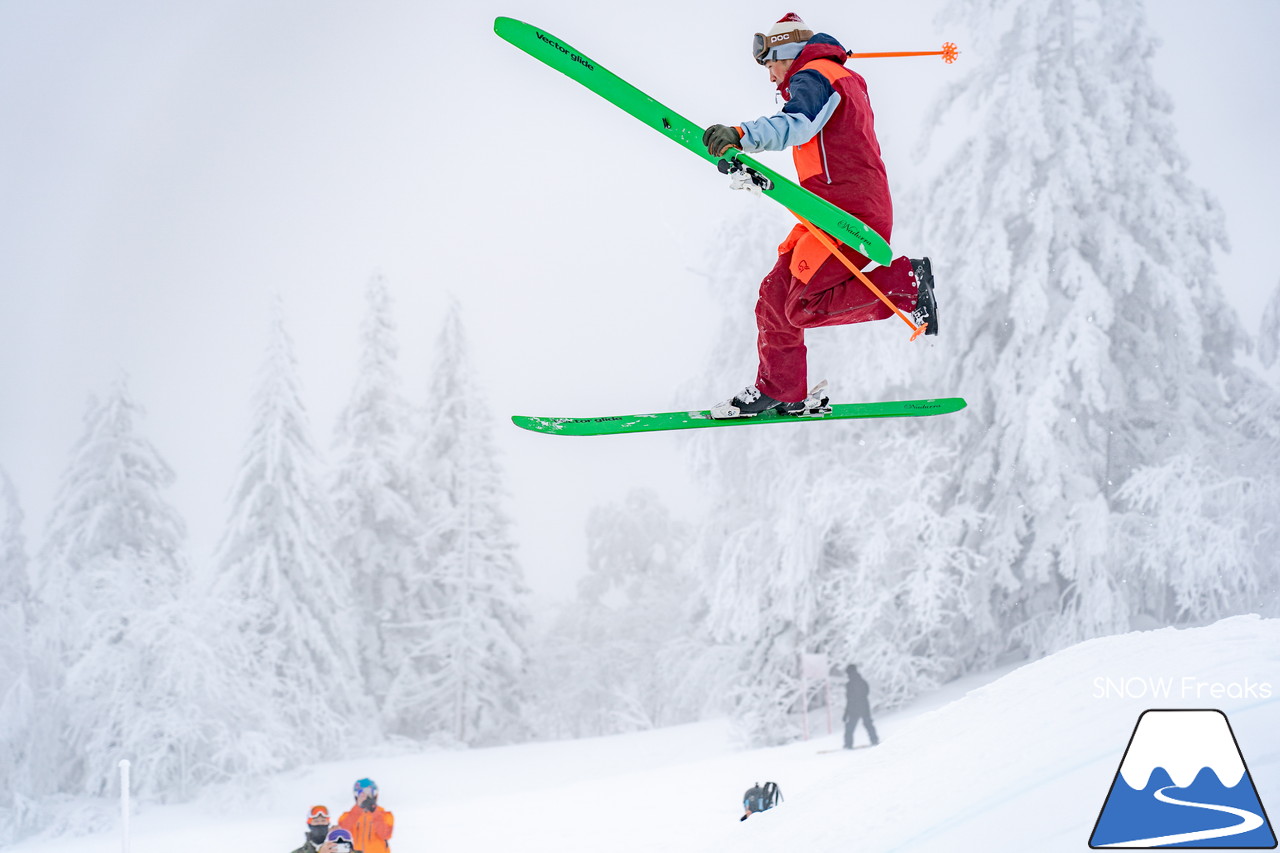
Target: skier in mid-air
(828, 121)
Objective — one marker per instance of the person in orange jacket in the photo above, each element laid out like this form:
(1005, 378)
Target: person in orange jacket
(370, 824)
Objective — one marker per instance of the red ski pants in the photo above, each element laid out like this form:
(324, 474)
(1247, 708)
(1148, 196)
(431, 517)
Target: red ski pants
(832, 297)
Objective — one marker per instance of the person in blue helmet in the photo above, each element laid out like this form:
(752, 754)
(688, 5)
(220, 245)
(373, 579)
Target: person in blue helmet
(370, 824)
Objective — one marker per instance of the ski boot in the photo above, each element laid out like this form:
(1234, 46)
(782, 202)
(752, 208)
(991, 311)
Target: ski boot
(926, 313)
(751, 401)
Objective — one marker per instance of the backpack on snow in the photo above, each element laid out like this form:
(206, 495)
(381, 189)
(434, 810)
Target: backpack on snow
(760, 798)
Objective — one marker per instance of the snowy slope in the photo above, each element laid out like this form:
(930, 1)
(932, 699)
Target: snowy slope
(1023, 762)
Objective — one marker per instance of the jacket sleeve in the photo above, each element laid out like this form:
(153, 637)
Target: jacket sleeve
(812, 102)
(382, 824)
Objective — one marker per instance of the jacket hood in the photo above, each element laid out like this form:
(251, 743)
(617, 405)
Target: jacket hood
(821, 46)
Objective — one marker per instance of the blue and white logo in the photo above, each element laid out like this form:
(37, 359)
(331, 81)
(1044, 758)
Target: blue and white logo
(1183, 783)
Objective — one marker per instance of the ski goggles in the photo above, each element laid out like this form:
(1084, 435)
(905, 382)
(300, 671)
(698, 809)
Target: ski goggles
(761, 44)
(318, 812)
(341, 840)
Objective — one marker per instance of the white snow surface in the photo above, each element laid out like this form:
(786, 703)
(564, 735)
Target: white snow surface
(1020, 760)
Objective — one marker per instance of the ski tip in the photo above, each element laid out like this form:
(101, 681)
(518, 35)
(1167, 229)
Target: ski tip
(503, 25)
(944, 405)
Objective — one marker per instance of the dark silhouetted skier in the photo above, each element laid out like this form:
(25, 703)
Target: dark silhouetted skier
(857, 707)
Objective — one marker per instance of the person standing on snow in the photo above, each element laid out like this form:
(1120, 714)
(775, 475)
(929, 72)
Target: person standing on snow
(857, 706)
(370, 824)
(827, 120)
(317, 830)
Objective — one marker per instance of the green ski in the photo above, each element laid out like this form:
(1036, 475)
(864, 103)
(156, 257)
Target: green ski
(702, 419)
(572, 62)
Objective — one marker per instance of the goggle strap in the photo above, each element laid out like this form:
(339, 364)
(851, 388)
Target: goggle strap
(769, 42)
(762, 43)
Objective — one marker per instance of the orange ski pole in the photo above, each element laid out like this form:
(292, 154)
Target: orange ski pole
(916, 331)
(949, 53)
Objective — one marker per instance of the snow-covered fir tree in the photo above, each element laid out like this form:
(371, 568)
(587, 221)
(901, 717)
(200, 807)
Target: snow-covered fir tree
(1097, 342)
(112, 543)
(624, 655)
(461, 678)
(113, 553)
(377, 527)
(1257, 461)
(127, 665)
(1269, 331)
(168, 694)
(16, 706)
(284, 592)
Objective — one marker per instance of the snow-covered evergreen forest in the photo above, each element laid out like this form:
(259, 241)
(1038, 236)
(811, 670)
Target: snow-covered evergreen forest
(356, 596)
(1117, 468)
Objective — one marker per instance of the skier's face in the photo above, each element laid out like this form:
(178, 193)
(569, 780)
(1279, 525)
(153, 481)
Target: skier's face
(777, 69)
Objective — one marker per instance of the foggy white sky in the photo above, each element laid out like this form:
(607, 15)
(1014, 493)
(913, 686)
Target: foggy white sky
(164, 168)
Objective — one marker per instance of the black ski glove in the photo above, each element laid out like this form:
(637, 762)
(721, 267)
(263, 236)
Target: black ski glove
(720, 138)
(369, 804)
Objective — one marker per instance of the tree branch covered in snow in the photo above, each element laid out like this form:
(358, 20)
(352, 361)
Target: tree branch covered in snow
(460, 676)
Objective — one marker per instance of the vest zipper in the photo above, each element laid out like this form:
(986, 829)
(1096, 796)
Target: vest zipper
(822, 147)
